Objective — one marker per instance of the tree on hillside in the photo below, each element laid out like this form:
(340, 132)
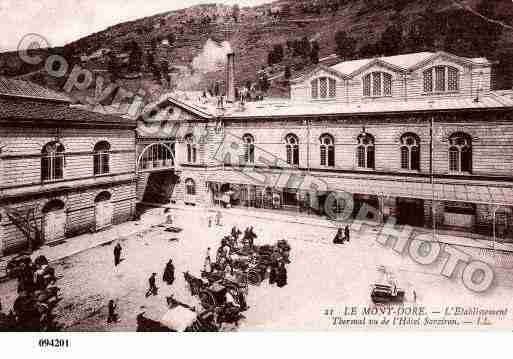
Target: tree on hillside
(275, 56)
(112, 66)
(263, 82)
(288, 72)
(368, 50)
(345, 45)
(135, 58)
(305, 48)
(503, 70)
(391, 42)
(314, 54)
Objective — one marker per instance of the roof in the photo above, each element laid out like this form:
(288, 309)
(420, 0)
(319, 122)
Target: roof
(27, 89)
(201, 107)
(402, 62)
(28, 110)
(267, 109)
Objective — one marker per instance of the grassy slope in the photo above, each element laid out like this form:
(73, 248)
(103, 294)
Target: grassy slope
(251, 38)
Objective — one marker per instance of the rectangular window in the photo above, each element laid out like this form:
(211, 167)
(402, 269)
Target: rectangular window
(331, 156)
(376, 84)
(333, 88)
(323, 87)
(387, 85)
(370, 157)
(452, 82)
(415, 159)
(428, 80)
(361, 156)
(440, 78)
(315, 89)
(454, 160)
(404, 158)
(323, 156)
(366, 86)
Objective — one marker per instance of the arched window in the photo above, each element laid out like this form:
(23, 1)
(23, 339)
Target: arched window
(249, 148)
(53, 205)
(460, 152)
(191, 149)
(365, 151)
(410, 152)
(190, 187)
(103, 197)
(323, 87)
(377, 84)
(292, 149)
(327, 150)
(101, 158)
(441, 79)
(52, 161)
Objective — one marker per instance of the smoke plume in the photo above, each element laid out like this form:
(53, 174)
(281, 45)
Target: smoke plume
(212, 57)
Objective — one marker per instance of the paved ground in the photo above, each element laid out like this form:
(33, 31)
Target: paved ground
(321, 276)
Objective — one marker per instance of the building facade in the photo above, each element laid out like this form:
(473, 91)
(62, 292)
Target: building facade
(63, 170)
(421, 138)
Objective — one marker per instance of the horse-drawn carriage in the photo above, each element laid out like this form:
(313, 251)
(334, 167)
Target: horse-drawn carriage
(260, 259)
(213, 288)
(181, 317)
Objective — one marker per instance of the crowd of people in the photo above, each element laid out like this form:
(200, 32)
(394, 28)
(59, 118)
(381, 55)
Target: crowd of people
(37, 297)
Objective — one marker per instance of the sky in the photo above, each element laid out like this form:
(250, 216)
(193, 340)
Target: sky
(63, 21)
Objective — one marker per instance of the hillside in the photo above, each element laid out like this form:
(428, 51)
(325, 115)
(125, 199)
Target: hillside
(181, 39)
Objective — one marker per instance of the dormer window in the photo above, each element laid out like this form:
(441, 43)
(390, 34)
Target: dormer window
(323, 87)
(441, 79)
(377, 84)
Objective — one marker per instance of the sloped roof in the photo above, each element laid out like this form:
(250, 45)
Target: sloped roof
(36, 111)
(267, 109)
(27, 89)
(404, 61)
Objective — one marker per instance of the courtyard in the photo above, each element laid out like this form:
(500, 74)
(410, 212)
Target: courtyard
(321, 276)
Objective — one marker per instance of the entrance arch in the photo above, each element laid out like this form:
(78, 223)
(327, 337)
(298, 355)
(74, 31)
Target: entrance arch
(103, 210)
(54, 221)
(157, 155)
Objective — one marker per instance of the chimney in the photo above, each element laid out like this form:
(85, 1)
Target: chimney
(230, 78)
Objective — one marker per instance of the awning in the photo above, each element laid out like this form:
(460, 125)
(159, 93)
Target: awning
(483, 193)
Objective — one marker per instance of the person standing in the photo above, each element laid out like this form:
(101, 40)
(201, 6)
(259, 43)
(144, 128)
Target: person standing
(117, 254)
(170, 221)
(339, 237)
(207, 266)
(281, 275)
(346, 233)
(218, 218)
(152, 290)
(113, 316)
(169, 273)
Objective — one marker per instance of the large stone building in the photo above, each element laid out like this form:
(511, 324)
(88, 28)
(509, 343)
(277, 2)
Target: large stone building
(63, 170)
(418, 137)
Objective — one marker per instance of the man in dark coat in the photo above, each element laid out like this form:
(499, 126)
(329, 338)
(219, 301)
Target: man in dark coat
(346, 233)
(281, 275)
(152, 290)
(169, 273)
(117, 254)
(113, 316)
(339, 237)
